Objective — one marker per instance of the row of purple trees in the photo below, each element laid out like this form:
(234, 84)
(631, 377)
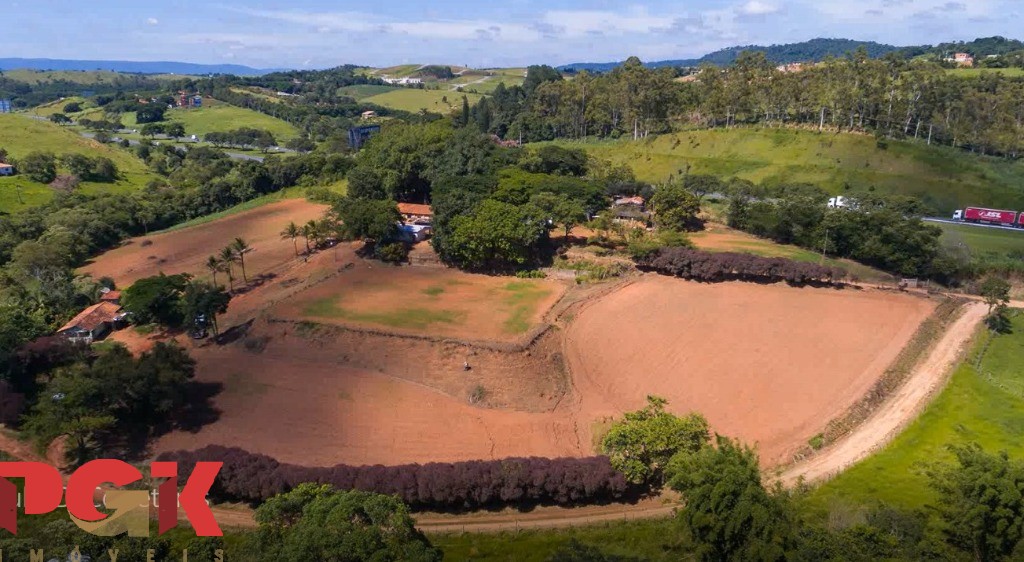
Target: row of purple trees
(455, 486)
(731, 266)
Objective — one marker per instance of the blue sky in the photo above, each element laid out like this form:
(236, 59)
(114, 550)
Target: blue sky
(323, 33)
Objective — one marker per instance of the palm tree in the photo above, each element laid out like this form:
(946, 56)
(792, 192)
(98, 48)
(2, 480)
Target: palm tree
(215, 266)
(240, 247)
(292, 231)
(227, 257)
(307, 233)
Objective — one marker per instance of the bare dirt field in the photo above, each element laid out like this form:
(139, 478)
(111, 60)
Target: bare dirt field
(421, 300)
(318, 412)
(186, 250)
(769, 364)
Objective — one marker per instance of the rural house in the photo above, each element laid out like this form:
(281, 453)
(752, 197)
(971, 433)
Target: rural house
(368, 114)
(93, 323)
(415, 213)
(6, 170)
(962, 59)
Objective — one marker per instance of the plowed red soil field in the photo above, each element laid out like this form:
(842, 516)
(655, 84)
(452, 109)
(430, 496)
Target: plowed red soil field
(186, 250)
(770, 364)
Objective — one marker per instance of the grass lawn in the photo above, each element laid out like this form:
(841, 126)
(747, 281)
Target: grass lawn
(219, 117)
(943, 177)
(648, 540)
(21, 135)
(399, 71)
(415, 317)
(983, 241)
(722, 239)
(984, 405)
(522, 299)
(414, 100)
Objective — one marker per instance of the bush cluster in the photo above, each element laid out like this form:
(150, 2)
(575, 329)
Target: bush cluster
(442, 486)
(731, 266)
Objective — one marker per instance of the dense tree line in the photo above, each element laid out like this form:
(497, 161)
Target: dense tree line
(433, 486)
(892, 96)
(244, 137)
(884, 232)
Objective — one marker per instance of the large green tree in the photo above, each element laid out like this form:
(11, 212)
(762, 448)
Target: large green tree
(641, 444)
(313, 522)
(729, 514)
(981, 501)
(156, 299)
(39, 166)
(496, 236)
(675, 207)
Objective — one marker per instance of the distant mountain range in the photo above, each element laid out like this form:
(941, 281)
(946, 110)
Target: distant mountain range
(155, 67)
(807, 51)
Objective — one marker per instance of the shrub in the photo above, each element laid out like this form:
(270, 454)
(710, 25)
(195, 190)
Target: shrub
(439, 486)
(531, 274)
(395, 252)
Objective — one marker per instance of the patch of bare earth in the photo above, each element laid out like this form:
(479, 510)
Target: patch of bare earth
(770, 364)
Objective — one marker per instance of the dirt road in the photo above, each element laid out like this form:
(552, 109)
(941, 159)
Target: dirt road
(899, 410)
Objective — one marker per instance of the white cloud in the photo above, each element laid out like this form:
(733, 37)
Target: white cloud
(757, 8)
(152, 21)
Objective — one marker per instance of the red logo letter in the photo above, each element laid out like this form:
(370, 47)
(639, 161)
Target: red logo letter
(43, 490)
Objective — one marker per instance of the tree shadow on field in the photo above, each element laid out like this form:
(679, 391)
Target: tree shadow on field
(234, 333)
(197, 412)
(255, 283)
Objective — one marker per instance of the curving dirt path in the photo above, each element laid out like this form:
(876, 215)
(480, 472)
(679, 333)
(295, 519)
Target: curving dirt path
(928, 378)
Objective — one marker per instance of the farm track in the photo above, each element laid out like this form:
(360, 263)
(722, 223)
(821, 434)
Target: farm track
(927, 379)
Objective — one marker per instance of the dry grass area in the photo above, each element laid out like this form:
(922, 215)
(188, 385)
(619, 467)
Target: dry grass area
(430, 301)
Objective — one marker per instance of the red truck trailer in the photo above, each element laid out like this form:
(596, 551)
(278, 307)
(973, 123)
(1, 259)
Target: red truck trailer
(993, 216)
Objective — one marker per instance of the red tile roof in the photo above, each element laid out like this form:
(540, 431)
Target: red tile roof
(111, 296)
(92, 317)
(415, 209)
(2, 165)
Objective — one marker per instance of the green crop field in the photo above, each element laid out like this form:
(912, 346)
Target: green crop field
(360, 92)
(984, 241)
(984, 405)
(220, 117)
(943, 177)
(20, 135)
(414, 100)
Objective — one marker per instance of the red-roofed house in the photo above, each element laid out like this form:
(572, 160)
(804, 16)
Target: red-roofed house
(92, 323)
(6, 170)
(415, 213)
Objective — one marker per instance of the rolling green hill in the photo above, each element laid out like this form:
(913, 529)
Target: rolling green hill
(20, 135)
(220, 117)
(945, 178)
